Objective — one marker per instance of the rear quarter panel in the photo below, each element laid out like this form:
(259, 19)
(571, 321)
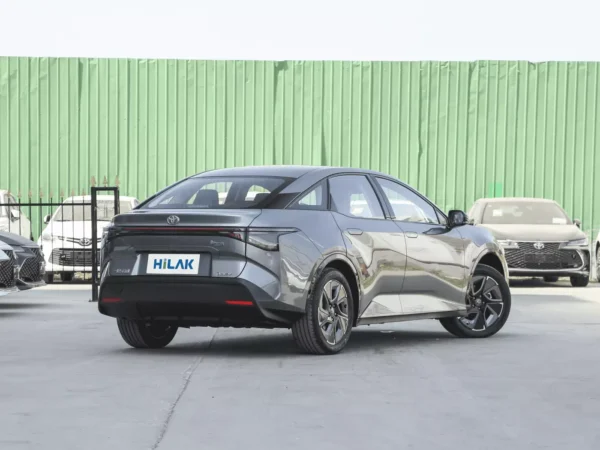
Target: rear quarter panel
(301, 253)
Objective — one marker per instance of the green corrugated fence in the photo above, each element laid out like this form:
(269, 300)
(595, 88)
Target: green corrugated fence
(457, 131)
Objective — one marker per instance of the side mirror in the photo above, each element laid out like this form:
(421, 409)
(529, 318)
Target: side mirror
(457, 218)
(15, 214)
(47, 219)
(577, 223)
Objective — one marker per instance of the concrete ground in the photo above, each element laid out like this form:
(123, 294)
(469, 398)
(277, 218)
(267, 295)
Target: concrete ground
(68, 381)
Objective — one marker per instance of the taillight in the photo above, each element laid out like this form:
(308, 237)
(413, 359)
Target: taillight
(267, 238)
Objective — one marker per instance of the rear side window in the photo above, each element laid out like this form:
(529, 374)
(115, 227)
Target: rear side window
(219, 193)
(353, 195)
(314, 199)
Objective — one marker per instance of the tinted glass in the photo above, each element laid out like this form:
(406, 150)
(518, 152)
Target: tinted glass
(314, 199)
(81, 213)
(218, 193)
(526, 213)
(353, 195)
(406, 205)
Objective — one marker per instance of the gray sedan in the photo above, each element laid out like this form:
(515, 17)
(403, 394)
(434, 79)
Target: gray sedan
(319, 250)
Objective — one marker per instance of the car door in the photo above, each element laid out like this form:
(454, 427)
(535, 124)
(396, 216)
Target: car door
(375, 244)
(436, 276)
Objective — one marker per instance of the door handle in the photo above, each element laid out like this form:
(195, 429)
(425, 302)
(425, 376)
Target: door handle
(412, 234)
(354, 231)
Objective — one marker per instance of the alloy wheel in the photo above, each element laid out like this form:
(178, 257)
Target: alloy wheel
(485, 303)
(333, 312)
(598, 264)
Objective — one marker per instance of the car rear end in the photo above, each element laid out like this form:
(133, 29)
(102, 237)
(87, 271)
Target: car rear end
(196, 262)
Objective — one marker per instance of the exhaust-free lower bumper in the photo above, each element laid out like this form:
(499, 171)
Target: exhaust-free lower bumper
(193, 301)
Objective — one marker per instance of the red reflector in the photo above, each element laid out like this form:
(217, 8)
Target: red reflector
(111, 300)
(239, 302)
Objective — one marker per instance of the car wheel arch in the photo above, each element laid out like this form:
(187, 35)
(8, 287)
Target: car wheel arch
(343, 264)
(490, 259)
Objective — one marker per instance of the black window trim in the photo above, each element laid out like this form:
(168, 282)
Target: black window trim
(437, 210)
(367, 175)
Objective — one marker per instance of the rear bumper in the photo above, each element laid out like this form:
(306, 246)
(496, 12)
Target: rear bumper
(193, 301)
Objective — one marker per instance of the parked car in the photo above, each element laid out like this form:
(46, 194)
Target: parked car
(320, 250)
(597, 253)
(29, 259)
(12, 219)
(9, 270)
(66, 241)
(538, 237)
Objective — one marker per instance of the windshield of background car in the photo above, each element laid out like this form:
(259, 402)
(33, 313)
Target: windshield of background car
(218, 193)
(81, 213)
(526, 213)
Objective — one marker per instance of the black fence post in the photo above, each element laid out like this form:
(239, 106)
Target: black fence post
(94, 244)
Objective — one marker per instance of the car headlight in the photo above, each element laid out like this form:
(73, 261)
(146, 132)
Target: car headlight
(508, 244)
(578, 243)
(49, 237)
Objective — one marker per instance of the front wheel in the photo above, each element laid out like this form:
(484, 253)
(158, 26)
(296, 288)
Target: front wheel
(325, 327)
(580, 281)
(146, 334)
(488, 306)
(598, 264)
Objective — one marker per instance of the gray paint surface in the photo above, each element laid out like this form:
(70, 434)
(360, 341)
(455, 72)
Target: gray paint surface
(69, 382)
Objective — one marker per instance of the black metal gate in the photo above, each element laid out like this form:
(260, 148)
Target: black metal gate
(65, 228)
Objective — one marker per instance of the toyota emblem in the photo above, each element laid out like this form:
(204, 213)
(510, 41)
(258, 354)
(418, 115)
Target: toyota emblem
(85, 242)
(538, 245)
(172, 220)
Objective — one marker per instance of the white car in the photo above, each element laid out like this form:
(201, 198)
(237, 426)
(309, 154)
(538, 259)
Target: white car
(12, 219)
(66, 241)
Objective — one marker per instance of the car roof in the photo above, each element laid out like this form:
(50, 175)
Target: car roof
(282, 171)
(83, 198)
(515, 199)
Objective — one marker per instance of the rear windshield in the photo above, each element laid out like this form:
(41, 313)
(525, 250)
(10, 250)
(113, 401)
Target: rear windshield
(218, 193)
(525, 213)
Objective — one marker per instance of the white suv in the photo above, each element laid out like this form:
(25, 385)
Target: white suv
(11, 217)
(67, 239)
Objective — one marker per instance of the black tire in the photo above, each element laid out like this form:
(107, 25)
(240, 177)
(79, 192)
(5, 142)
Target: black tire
(66, 277)
(49, 277)
(146, 334)
(580, 281)
(307, 332)
(455, 326)
(550, 279)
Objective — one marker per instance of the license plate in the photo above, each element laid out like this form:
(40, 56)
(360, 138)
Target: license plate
(173, 264)
(533, 258)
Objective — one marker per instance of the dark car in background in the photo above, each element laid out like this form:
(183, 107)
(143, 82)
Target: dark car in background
(538, 237)
(29, 259)
(9, 270)
(315, 249)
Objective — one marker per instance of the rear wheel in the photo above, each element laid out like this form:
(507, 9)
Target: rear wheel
(327, 324)
(580, 281)
(489, 301)
(550, 279)
(146, 334)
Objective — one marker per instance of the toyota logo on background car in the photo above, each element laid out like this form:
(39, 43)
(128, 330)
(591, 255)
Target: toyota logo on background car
(172, 220)
(538, 245)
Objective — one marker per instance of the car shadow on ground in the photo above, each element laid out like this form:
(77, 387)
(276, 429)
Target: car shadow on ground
(13, 309)
(540, 283)
(281, 345)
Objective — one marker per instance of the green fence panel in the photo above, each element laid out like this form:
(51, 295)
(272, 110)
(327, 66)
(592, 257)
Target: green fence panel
(457, 131)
